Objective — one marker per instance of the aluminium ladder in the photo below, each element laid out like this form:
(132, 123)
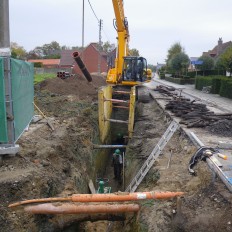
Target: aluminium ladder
(152, 157)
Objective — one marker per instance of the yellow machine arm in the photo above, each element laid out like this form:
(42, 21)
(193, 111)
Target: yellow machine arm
(121, 25)
(128, 70)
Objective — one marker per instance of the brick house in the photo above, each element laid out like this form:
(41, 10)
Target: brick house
(90, 56)
(66, 59)
(218, 49)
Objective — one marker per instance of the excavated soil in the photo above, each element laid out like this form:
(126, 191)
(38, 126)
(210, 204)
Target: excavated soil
(61, 162)
(52, 163)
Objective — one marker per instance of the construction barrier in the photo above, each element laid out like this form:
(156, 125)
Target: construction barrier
(16, 98)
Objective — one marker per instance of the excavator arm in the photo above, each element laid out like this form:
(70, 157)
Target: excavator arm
(121, 26)
(128, 70)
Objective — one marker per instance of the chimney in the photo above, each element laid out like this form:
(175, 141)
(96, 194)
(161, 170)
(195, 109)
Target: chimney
(219, 47)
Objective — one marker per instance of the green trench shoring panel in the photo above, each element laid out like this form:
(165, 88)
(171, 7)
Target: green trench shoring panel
(22, 76)
(3, 123)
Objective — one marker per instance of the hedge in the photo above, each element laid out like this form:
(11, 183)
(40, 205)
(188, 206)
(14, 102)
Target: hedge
(181, 81)
(214, 72)
(203, 82)
(162, 75)
(226, 88)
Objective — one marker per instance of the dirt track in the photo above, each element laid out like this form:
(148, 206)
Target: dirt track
(60, 163)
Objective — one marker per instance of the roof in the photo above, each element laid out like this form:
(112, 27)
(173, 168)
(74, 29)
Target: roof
(67, 58)
(216, 51)
(46, 61)
(96, 45)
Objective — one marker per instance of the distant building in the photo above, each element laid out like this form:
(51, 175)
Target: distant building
(193, 62)
(91, 57)
(66, 59)
(47, 63)
(218, 49)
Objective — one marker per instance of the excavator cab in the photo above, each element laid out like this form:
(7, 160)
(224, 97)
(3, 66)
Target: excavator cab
(134, 69)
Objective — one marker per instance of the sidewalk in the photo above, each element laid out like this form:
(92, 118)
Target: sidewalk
(224, 104)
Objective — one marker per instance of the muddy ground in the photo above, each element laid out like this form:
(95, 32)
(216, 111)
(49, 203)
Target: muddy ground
(61, 162)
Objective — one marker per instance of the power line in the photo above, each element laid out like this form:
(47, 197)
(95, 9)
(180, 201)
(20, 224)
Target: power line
(93, 11)
(97, 18)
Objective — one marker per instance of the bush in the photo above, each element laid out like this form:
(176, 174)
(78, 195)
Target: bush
(216, 84)
(181, 81)
(38, 65)
(192, 74)
(162, 75)
(203, 82)
(226, 88)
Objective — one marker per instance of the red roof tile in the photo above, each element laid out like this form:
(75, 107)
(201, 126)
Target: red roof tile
(46, 61)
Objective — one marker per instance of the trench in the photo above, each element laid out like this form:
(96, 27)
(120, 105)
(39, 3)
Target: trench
(150, 123)
(65, 162)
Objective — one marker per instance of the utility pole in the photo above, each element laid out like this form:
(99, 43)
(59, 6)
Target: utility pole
(99, 47)
(83, 23)
(83, 27)
(10, 147)
(4, 29)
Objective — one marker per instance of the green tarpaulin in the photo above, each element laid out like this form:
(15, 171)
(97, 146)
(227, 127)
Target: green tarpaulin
(22, 76)
(3, 123)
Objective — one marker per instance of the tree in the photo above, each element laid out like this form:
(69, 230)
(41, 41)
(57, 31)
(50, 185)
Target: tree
(225, 60)
(17, 52)
(175, 49)
(108, 47)
(134, 52)
(207, 63)
(152, 67)
(179, 62)
(36, 53)
(47, 51)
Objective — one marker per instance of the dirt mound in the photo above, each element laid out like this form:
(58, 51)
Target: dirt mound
(222, 128)
(75, 85)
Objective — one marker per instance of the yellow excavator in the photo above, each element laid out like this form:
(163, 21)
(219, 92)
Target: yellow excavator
(128, 70)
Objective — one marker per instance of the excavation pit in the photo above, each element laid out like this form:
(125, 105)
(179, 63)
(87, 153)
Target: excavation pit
(62, 162)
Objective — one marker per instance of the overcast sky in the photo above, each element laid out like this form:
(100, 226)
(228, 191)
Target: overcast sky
(154, 25)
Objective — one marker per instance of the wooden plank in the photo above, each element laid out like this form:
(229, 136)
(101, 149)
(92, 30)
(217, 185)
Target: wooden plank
(91, 187)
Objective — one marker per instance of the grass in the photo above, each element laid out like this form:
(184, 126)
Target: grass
(41, 77)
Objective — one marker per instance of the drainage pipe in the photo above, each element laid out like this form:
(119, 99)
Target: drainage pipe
(124, 196)
(68, 208)
(82, 67)
(112, 197)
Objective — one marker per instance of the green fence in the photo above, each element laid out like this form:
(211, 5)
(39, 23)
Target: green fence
(22, 77)
(3, 122)
(22, 96)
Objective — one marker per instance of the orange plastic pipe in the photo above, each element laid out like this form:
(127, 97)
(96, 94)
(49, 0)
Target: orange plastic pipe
(124, 196)
(105, 197)
(68, 208)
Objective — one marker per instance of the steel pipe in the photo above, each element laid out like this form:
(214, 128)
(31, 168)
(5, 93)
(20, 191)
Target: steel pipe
(96, 146)
(82, 67)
